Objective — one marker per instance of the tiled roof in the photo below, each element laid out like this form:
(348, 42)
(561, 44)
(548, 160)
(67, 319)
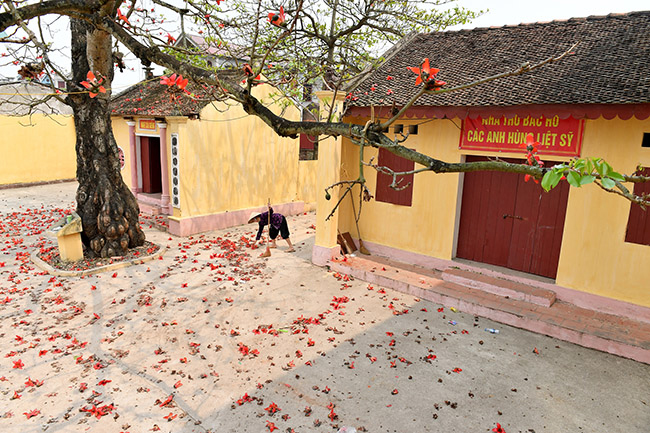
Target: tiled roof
(16, 98)
(154, 99)
(611, 64)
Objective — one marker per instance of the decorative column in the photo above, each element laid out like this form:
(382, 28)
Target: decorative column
(133, 157)
(164, 169)
(328, 173)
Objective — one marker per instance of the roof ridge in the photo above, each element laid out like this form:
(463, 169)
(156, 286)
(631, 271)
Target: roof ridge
(563, 21)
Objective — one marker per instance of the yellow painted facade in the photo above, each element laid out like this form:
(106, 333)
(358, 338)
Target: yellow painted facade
(42, 148)
(229, 161)
(594, 256)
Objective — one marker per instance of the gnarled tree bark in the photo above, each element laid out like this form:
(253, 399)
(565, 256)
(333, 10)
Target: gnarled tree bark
(108, 210)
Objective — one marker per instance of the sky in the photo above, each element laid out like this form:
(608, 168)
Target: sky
(499, 13)
(509, 12)
(505, 12)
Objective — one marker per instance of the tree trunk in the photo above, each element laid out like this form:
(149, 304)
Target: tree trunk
(108, 210)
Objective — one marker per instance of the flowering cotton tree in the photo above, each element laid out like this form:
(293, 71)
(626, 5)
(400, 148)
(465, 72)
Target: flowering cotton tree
(291, 45)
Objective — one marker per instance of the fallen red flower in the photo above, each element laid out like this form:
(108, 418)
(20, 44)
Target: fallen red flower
(167, 401)
(31, 413)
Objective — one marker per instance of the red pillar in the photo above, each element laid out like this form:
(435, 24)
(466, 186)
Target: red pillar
(133, 157)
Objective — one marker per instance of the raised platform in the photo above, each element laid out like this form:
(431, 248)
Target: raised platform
(513, 303)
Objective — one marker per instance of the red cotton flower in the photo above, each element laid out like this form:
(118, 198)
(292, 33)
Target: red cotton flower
(174, 80)
(121, 16)
(425, 73)
(170, 39)
(31, 413)
(94, 87)
(271, 426)
(18, 364)
(530, 145)
(277, 19)
(498, 429)
(532, 158)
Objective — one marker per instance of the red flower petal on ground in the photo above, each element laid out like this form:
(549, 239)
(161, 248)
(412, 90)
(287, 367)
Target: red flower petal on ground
(498, 429)
(31, 413)
(18, 364)
(270, 426)
(167, 401)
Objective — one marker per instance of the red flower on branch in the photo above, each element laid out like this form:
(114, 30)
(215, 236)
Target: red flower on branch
(426, 74)
(277, 19)
(532, 158)
(121, 16)
(174, 80)
(93, 85)
(170, 39)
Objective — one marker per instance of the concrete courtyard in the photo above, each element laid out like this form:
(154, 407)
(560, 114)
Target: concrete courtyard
(212, 338)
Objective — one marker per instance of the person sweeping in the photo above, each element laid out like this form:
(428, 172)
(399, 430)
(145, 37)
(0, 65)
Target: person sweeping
(278, 226)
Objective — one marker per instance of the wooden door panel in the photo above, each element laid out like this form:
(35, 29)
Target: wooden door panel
(146, 164)
(550, 227)
(155, 165)
(522, 242)
(508, 222)
(487, 196)
(499, 229)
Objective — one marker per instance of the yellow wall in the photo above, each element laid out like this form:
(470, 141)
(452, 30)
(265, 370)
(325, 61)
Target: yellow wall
(121, 134)
(429, 230)
(307, 183)
(43, 150)
(594, 257)
(231, 161)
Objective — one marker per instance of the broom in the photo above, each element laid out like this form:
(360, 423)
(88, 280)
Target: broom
(267, 253)
(362, 248)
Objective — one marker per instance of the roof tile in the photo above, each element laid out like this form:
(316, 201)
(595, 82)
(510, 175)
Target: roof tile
(610, 64)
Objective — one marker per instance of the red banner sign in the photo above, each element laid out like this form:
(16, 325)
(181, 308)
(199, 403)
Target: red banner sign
(562, 137)
(149, 124)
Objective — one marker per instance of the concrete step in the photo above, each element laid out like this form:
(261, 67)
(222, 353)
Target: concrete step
(149, 209)
(500, 287)
(605, 332)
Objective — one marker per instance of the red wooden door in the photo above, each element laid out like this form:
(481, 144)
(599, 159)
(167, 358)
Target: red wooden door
(508, 222)
(151, 173)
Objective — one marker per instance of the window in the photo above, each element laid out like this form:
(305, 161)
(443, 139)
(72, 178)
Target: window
(638, 223)
(399, 129)
(385, 193)
(413, 129)
(308, 147)
(646, 140)
(309, 143)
